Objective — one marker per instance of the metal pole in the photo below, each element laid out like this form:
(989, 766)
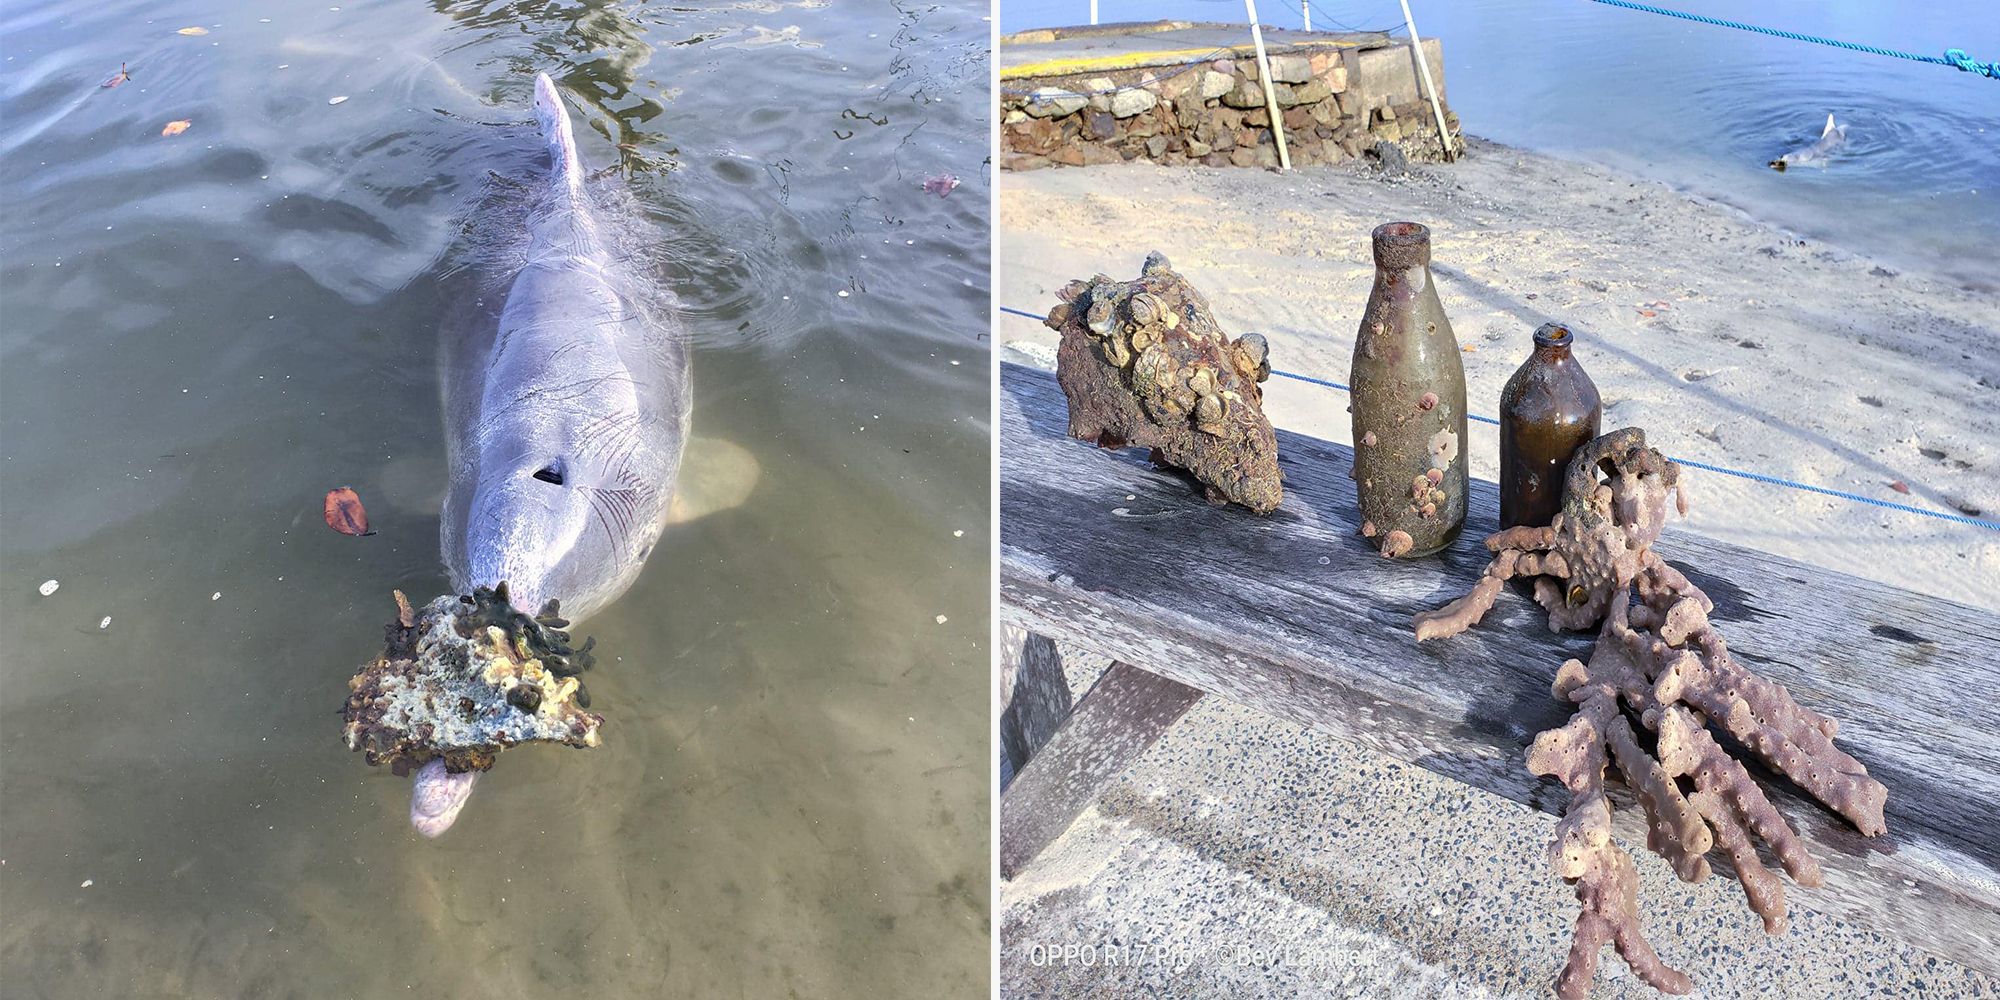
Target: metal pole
(1417, 49)
(1270, 93)
(1093, 11)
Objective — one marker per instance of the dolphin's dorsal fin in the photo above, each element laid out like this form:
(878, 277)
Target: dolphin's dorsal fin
(1828, 130)
(554, 117)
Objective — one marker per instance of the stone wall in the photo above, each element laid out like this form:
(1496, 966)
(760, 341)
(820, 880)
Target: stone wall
(1335, 103)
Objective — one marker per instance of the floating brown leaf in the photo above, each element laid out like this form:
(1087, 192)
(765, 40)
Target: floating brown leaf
(176, 128)
(118, 78)
(195, 30)
(344, 512)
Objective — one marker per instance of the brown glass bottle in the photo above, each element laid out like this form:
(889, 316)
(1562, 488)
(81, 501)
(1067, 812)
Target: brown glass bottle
(1548, 410)
(1408, 404)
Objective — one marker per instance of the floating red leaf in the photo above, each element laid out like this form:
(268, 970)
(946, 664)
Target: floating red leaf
(344, 512)
(1900, 486)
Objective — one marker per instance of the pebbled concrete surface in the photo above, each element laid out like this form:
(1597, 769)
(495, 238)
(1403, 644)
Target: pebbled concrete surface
(1248, 857)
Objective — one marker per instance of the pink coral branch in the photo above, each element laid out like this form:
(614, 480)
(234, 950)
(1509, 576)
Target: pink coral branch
(1661, 662)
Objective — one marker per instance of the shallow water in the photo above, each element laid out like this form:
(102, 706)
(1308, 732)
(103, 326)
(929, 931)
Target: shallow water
(205, 332)
(1706, 108)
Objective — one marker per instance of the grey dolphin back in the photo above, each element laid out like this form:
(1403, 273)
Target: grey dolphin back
(1817, 152)
(565, 377)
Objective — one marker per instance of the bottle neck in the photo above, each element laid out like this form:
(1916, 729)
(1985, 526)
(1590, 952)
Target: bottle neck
(1552, 343)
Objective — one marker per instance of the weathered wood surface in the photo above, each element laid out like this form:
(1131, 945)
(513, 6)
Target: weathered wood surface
(1123, 714)
(1034, 697)
(1293, 614)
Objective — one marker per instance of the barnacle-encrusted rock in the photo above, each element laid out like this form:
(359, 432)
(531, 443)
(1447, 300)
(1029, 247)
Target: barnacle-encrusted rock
(1144, 364)
(1658, 662)
(465, 678)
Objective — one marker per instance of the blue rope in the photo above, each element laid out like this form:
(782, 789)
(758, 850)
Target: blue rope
(1760, 477)
(1952, 57)
(1704, 466)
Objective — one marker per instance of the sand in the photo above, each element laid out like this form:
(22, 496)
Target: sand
(1243, 856)
(1801, 361)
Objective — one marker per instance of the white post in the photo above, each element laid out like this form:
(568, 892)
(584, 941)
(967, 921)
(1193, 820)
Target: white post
(1093, 11)
(1417, 49)
(1306, 13)
(1270, 93)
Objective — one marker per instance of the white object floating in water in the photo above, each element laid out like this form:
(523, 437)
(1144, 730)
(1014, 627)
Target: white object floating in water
(942, 619)
(842, 293)
(106, 623)
(49, 587)
(959, 533)
(87, 883)
(215, 596)
(342, 99)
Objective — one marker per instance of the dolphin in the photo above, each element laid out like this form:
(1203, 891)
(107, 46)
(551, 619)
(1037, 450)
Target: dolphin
(1815, 155)
(566, 402)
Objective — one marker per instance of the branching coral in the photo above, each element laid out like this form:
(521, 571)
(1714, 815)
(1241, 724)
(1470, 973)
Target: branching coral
(1660, 663)
(1143, 364)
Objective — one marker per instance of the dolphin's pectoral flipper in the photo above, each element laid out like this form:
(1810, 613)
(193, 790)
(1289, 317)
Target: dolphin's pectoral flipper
(716, 475)
(1828, 130)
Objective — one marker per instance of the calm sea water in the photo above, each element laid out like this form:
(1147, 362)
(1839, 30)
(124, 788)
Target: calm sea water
(1705, 108)
(201, 334)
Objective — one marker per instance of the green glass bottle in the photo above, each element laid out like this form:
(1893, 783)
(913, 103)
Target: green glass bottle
(1408, 404)
(1548, 410)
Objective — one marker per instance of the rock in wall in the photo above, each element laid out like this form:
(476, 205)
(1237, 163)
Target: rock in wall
(1334, 103)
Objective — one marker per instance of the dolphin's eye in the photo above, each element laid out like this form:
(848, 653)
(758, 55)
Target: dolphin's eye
(550, 474)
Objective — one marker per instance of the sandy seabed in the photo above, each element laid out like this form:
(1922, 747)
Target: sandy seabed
(1248, 857)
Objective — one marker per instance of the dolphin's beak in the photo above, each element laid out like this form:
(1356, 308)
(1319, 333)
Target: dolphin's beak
(437, 795)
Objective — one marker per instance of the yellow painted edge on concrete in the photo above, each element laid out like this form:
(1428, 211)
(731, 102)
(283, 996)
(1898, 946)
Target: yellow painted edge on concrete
(1157, 57)
(1041, 36)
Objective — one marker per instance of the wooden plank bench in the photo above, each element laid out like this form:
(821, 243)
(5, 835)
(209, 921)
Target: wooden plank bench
(1293, 614)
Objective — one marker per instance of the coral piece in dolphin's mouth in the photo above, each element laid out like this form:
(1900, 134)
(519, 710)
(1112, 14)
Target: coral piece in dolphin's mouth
(464, 678)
